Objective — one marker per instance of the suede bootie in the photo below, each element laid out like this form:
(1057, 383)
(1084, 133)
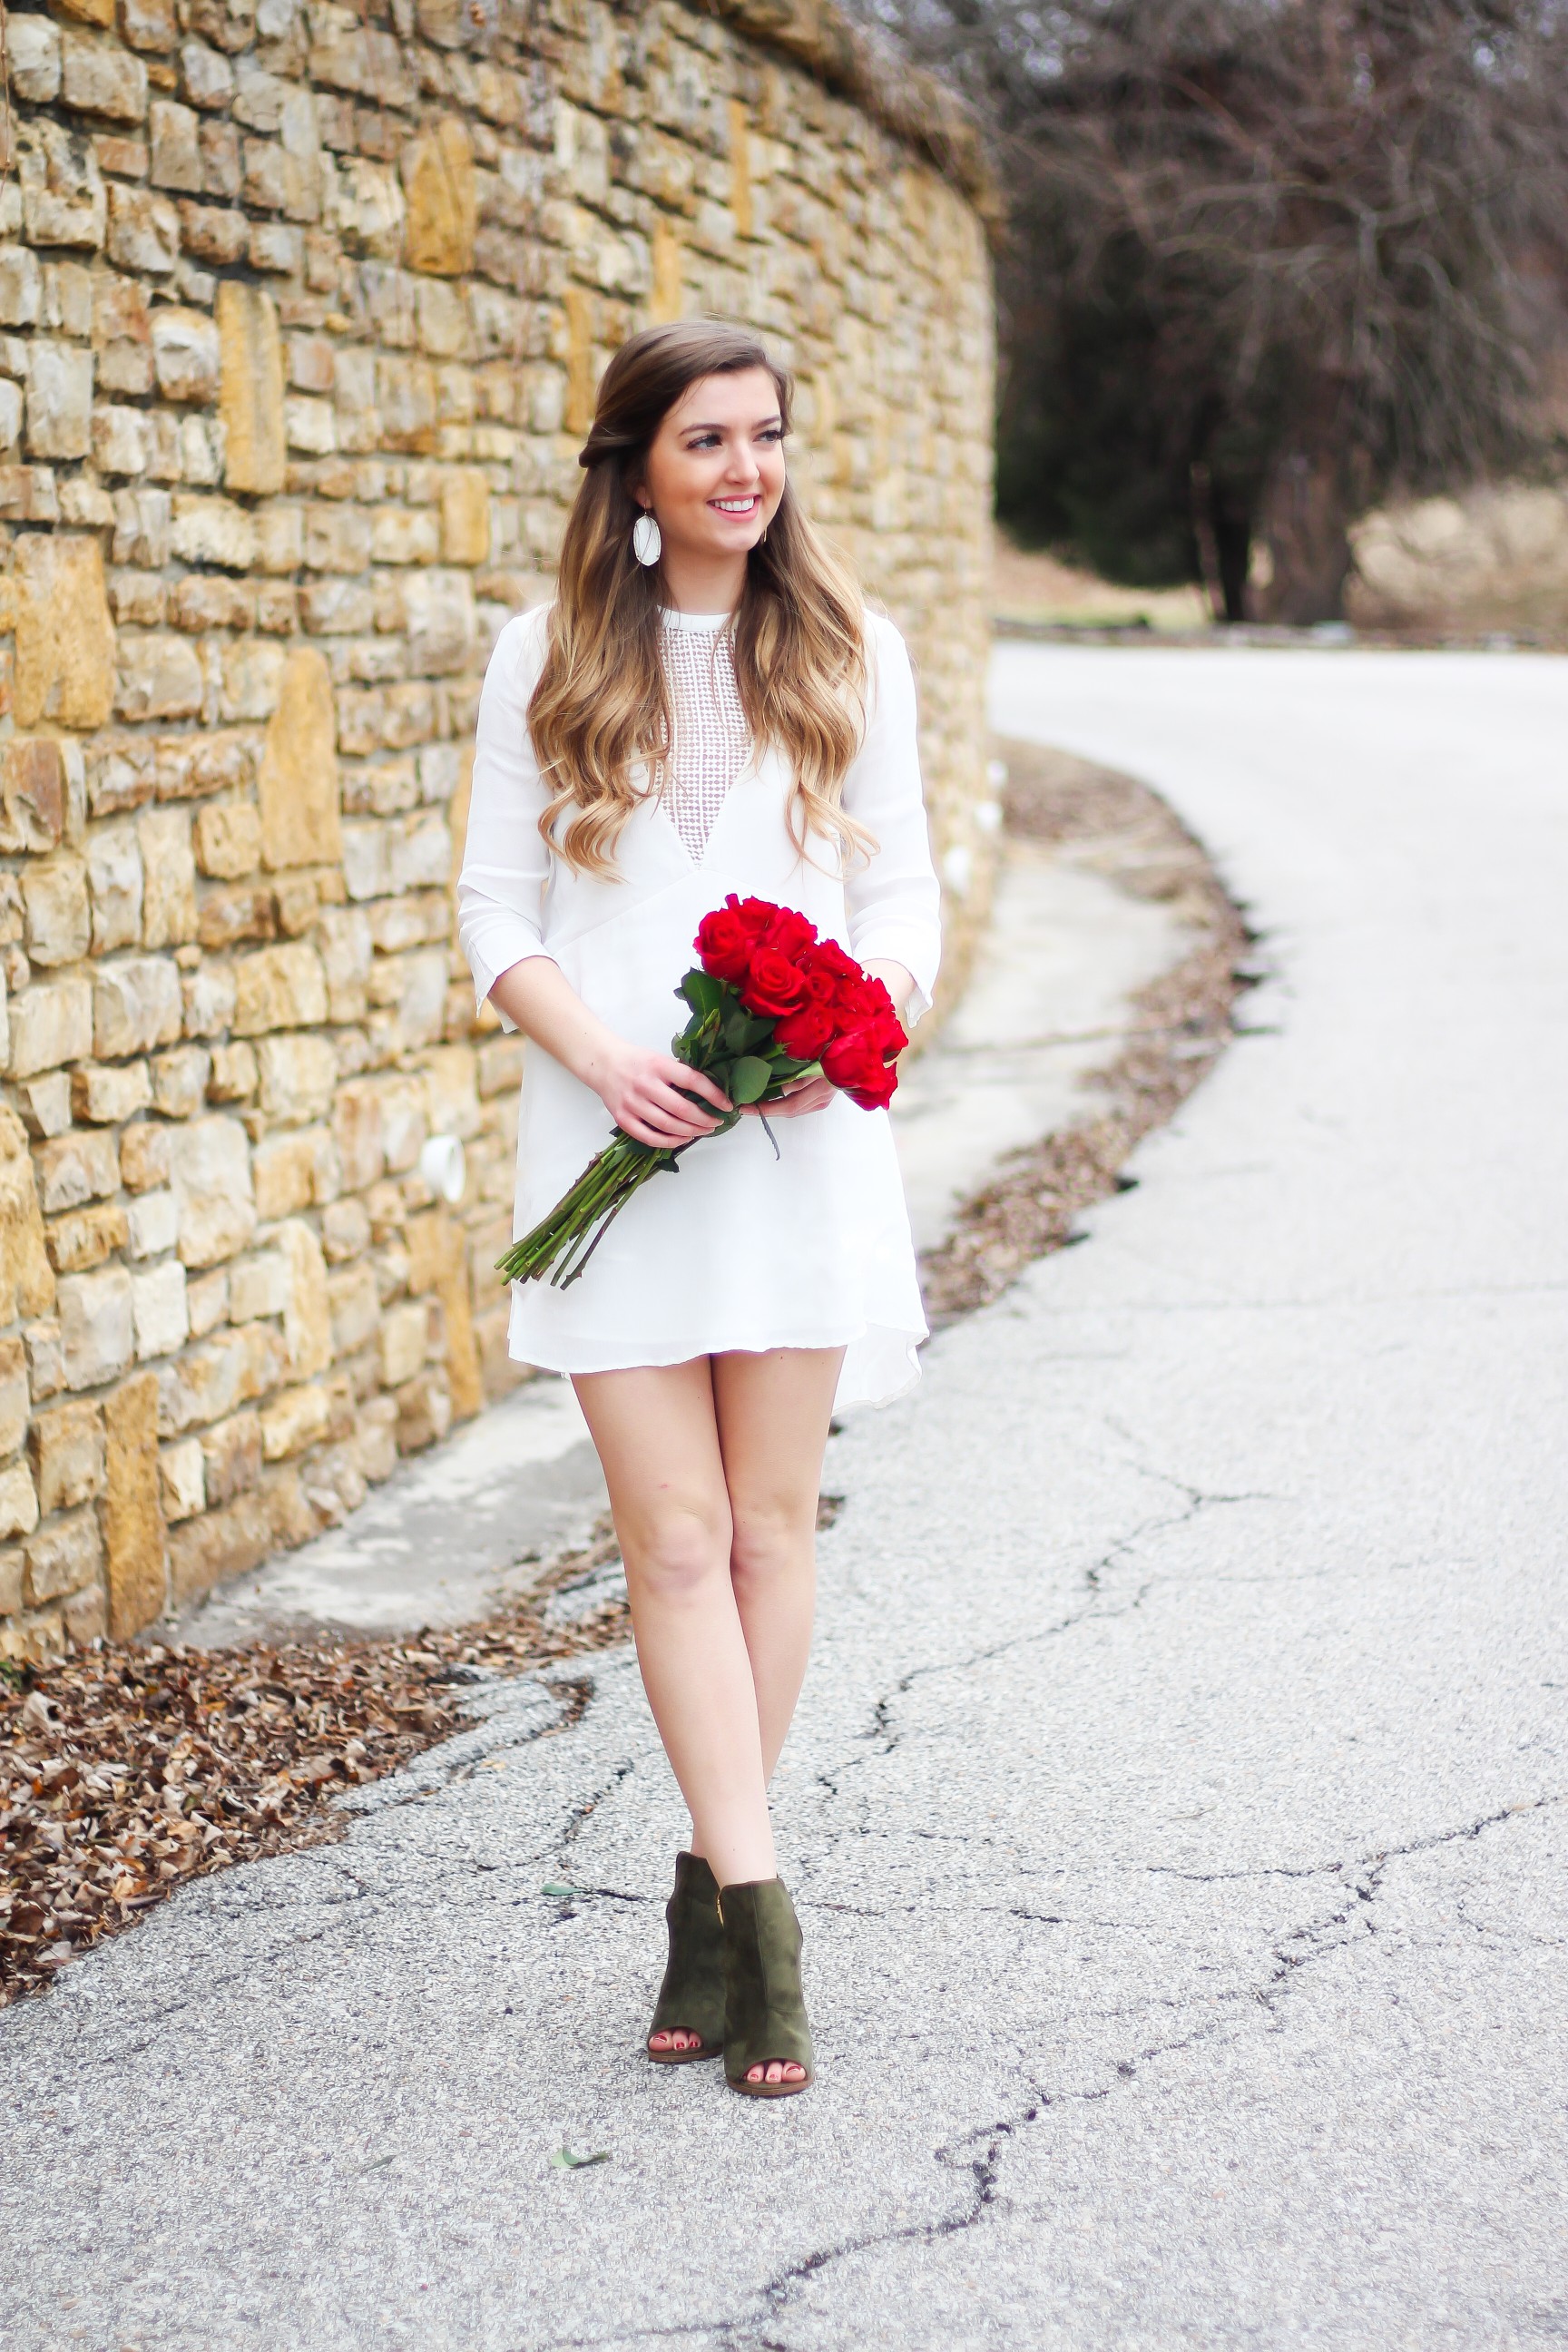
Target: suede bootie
(764, 2011)
(691, 1998)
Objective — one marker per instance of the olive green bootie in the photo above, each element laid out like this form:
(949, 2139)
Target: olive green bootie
(691, 1998)
(764, 2012)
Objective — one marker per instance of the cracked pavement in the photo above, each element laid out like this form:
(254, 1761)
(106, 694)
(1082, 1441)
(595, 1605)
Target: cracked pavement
(1176, 1809)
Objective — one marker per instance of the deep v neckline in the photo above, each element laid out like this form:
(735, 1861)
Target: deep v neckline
(712, 750)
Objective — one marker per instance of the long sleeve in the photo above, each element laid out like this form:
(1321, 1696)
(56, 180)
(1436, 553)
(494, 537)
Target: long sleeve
(506, 865)
(895, 902)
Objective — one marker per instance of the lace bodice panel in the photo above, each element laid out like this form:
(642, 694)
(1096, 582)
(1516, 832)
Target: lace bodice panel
(712, 742)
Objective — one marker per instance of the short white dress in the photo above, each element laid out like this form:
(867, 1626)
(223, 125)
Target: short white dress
(734, 1249)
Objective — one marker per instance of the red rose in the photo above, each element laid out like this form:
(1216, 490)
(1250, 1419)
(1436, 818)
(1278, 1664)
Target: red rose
(803, 1035)
(820, 987)
(724, 943)
(789, 934)
(856, 1064)
(773, 985)
(757, 914)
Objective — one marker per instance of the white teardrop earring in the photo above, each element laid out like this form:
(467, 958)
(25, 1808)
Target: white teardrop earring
(647, 539)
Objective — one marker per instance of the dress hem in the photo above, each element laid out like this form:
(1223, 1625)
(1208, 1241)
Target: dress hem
(645, 1360)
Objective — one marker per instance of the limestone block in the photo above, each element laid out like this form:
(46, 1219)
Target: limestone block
(209, 996)
(148, 24)
(153, 1224)
(33, 54)
(185, 353)
(45, 1103)
(228, 1542)
(98, 77)
(345, 1231)
(13, 1569)
(65, 638)
(106, 1094)
(375, 1443)
(407, 404)
(144, 1157)
(465, 517)
(201, 1385)
(408, 535)
(443, 200)
(159, 1311)
(97, 1332)
(120, 443)
(251, 396)
(278, 988)
(63, 1558)
(54, 896)
(358, 1130)
(210, 1163)
(133, 1529)
(451, 1095)
(299, 1417)
(355, 1308)
(231, 1457)
(14, 1398)
(205, 74)
(423, 1411)
(21, 279)
(296, 1171)
(181, 1480)
(18, 1503)
(11, 414)
(366, 860)
(180, 1080)
(136, 1003)
(438, 607)
(298, 1075)
(438, 1261)
(228, 840)
(27, 1279)
(344, 942)
(46, 1364)
(59, 400)
(86, 1237)
(114, 885)
(404, 1333)
(299, 777)
(234, 1074)
(307, 1312)
(50, 1023)
(169, 900)
(67, 1447)
(227, 917)
(63, 198)
(158, 678)
(212, 530)
(32, 793)
(210, 233)
(173, 147)
(404, 1123)
(144, 231)
(258, 1286)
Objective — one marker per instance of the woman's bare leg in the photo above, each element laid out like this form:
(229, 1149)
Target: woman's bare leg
(657, 1435)
(772, 1411)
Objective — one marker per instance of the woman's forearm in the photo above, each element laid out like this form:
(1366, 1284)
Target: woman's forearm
(537, 995)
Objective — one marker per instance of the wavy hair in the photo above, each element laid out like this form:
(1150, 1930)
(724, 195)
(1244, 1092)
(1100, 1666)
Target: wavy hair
(798, 634)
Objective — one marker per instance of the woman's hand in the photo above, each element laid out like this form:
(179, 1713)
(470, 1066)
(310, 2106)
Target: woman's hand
(799, 1096)
(642, 1092)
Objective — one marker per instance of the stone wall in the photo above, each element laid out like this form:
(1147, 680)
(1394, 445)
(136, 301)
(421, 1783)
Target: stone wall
(301, 307)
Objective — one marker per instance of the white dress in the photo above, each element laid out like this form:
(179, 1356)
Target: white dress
(734, 1249)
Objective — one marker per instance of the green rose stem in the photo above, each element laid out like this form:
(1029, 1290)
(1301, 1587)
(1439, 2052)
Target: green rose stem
(736, 1049)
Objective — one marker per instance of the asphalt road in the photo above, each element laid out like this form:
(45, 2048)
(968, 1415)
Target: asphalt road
(1177, 1810)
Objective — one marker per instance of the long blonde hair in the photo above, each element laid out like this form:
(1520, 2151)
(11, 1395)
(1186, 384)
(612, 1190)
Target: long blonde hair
(799, 642)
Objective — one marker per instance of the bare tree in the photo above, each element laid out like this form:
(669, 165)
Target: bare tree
(1301, 253)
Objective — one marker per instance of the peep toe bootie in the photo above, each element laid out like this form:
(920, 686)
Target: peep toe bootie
(691, 1998)
(764, 2011)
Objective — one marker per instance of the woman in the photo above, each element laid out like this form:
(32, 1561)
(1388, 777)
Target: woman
(705, 707)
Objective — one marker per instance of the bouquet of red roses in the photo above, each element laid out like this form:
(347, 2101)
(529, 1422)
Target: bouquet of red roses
(771, 1004)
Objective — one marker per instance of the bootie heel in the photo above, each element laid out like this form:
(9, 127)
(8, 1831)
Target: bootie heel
(764, 2011)
(691, 1998)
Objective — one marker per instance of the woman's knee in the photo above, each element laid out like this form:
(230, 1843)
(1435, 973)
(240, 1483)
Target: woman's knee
(770, 1538)
(679, 1548)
